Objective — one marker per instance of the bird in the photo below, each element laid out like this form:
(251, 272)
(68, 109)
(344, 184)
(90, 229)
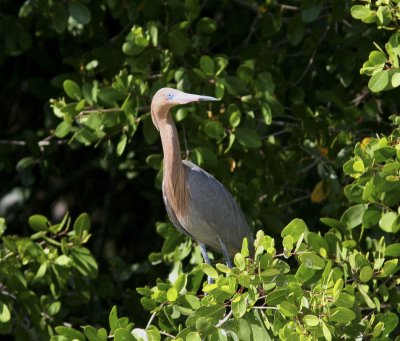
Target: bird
(197, 204)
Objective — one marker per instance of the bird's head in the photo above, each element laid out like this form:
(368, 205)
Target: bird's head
(166, 98)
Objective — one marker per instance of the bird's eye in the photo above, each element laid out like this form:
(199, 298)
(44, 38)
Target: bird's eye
(169, 96)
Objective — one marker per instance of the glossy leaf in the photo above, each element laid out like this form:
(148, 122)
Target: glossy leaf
(72, 89)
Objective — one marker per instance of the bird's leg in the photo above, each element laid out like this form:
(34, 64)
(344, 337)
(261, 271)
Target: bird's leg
(206, 259)
(225, 253)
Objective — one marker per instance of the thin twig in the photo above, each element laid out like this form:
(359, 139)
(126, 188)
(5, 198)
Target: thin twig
(294, 201)
(311, 60)
(151, 319)
(167, 334)
(252, 30)
(288, 8)
(91, 111)
(226, 318)
(291, 254)
(43, 143)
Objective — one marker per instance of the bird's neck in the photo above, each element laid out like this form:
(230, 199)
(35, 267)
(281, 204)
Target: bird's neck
(174, 177)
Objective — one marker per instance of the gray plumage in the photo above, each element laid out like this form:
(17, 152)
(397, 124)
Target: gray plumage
(213, 215)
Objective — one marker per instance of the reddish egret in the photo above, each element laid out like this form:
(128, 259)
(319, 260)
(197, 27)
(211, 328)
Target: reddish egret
(197, 204)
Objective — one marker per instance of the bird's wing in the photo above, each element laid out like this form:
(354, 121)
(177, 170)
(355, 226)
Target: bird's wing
(213, 213)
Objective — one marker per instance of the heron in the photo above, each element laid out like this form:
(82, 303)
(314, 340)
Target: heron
(197, 204)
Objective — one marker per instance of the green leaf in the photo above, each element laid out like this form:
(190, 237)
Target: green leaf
(393, 250)
(41, 272)
(113, 319)
(59, 17)
(368, 190)
(64, 261)
(295, 31)
(214, 129)
(153, 334)
(287, 242)
(379, 81)
(326, 331)
(172, 294)
(123, 334)
(312, 261)
(359, 11)
(92, 334)
(234, 115)
(122, 144)
(5, 315)
(390, 267)
(311, 320)
(207, 65)
(378, 329)
(389, 222)
(154, 161)
(371, 216)
(342, 315)
(72, 89)
(276, 297)
(390, 320)
(358, 165)
(317, 243)
(82, 225)
(345, 300)
(39, 222)
(79, 12)
(180, 282)
(179, 42)
(84, 261)
(295, 229)
(288, 309)
(223, 268)
(384, 153)
(148, 303)
(390, 167)
(352, 217)
(3, 226)
(267, 113)
(209, 270)
(311, 10)
(377, 58)
(245, 247)
(70, 333)
(239, 305)
(54, 308)
(333, 223)
(193, 336)
(206, 26)
(248, 138)
(204, 327)
(63, 129)
(239, 261)
(366, 273)
(395, 78)
(215, 313)
(363, 291)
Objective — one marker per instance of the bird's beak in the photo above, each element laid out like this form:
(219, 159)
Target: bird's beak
(184, 98)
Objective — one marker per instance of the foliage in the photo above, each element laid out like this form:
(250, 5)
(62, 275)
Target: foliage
(383, 67)
(44, 276)
(296, 134)
(328, 295)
